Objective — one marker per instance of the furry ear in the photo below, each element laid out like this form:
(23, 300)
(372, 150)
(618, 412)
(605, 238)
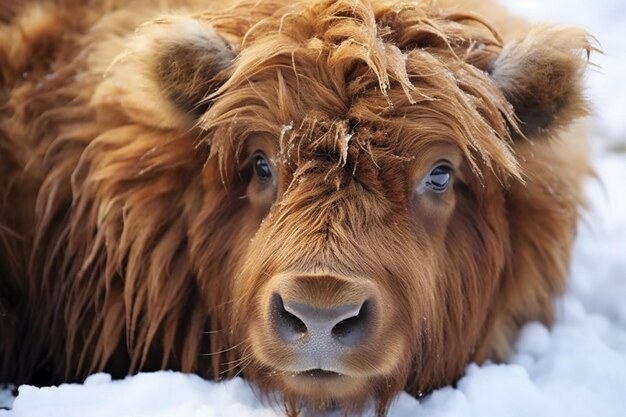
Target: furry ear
(541, 76)
(169, 66)
(186, 68)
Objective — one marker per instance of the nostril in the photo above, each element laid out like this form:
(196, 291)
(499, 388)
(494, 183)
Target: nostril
(352, 331)
(289, 327)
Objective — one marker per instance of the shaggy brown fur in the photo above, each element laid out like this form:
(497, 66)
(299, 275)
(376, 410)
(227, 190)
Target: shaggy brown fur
(135, 236)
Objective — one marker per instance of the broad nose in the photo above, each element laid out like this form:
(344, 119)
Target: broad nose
(345, 324)
(322, 314)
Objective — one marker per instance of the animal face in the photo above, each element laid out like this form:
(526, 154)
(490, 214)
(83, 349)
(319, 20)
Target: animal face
(344, 278)
(350, 250)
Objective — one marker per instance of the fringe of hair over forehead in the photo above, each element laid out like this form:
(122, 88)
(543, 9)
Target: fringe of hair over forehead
(393, 67)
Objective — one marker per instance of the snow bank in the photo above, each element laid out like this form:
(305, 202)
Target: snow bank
(578, 368)
(6, 399)
(161, 394)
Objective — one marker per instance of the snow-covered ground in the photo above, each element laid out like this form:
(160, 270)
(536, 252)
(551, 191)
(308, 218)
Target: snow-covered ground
(577, 368)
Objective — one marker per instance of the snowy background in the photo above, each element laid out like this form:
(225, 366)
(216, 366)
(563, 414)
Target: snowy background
(577, 368)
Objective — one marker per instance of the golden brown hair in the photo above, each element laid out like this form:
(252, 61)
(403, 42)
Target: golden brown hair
(147, 240)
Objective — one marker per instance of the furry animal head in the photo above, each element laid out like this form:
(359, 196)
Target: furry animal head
(352, 197)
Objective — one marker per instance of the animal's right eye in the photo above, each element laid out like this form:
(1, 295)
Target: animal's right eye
(439, 178)
(262, 169)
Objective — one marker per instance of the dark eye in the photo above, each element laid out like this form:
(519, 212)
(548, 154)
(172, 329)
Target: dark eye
(439, 178)
(262, 168)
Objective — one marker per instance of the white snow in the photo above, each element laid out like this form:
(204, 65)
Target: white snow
(577, 368)
(286, 128)
(6, 398)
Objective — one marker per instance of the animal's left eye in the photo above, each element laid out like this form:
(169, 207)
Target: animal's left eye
(262, 168)
(439, 178)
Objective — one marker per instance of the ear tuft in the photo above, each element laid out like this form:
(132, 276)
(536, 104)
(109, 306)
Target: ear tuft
(541, 76)
(169, 66)
(186, 68)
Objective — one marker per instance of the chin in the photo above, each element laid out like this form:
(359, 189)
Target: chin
(319, 391)
(324, 386)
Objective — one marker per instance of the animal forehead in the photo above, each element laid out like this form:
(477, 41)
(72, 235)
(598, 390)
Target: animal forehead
(373, 84)
(351, 47)
(394, 77)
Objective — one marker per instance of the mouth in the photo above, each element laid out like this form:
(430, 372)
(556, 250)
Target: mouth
(318, 375)
(322, 374)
